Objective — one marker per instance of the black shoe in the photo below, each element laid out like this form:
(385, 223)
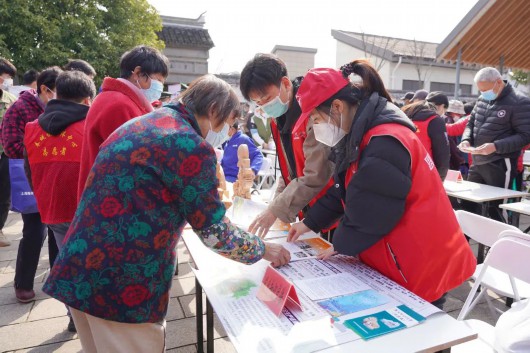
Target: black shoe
(71, 326)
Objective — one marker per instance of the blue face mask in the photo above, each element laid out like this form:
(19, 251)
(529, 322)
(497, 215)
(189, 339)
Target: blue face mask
(489, 95)
(216, 139)
(154, 92)
(275, 107)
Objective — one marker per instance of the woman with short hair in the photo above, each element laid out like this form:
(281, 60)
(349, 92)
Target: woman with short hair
(151, 176)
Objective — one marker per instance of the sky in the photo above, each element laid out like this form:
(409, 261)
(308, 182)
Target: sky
(240, 29)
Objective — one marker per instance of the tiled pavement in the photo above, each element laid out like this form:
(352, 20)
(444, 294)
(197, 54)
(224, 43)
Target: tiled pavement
(40, 326)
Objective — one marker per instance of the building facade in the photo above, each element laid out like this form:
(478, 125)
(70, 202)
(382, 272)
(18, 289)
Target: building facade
(406, 65)
(297, 59)
(187, 48)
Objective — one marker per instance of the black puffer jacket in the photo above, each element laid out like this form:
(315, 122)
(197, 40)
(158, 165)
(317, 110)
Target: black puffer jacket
(376, 196)
(504, 121)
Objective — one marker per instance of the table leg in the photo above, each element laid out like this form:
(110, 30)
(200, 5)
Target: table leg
(198, 308)
(515, 219)
(209, 327)
(481, 247)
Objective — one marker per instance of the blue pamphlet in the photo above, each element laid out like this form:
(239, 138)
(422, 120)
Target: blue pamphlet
(383, 322)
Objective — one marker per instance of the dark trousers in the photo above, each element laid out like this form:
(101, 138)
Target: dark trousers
(33, 234)
(5, 189)
(500, 173)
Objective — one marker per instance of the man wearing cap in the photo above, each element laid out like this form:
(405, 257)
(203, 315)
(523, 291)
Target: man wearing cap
(407, 98)
(497, 131)
(419, 95)
(305, 168)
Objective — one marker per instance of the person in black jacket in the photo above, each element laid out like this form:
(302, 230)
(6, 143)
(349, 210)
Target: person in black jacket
(387, 196)
(497, 131)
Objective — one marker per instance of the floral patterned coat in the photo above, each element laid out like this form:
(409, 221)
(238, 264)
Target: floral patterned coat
(151, 175)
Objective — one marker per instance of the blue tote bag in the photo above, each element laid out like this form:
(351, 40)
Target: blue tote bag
(22, 198)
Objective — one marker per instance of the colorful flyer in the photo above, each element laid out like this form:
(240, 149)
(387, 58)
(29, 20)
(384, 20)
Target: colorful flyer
(348, 304)
(305, 248)
(383, 322)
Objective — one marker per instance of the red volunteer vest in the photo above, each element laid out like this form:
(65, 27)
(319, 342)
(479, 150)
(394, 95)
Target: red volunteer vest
(55, 163)
(426, 252)
(299, 134)
(423, 135)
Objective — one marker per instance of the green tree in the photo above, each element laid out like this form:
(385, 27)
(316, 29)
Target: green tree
(521, 76)
(38, 34)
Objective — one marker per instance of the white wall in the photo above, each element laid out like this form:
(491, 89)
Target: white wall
(297, 62)
(347, 53)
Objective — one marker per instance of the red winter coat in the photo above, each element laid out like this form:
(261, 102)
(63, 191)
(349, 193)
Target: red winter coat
(114, 106)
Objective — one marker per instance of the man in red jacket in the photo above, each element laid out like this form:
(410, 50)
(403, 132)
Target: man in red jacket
(143, 71)
(52, 162)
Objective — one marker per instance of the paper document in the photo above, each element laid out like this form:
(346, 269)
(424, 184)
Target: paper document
(304, 248)
(352, 303)
(244, 211)
(330, 286)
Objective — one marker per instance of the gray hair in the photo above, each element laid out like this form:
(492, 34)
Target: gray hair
(488, 74)
(209, 94)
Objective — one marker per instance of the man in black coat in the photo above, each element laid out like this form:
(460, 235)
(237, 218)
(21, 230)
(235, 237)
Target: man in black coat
(497, 131)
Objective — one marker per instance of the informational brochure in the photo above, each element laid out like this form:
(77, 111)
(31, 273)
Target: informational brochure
(308, 246)
(352, 303)
(362, 277)
(383, 322)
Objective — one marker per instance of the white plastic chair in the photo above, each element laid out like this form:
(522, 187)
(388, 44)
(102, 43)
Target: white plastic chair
(499, 272)
(266, 171)
(509, 255)
(487, 231)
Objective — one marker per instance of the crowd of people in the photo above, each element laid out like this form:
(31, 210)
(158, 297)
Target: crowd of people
(117, 175)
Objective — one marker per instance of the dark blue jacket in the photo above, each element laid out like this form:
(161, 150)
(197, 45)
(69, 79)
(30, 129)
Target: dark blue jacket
(229, 162)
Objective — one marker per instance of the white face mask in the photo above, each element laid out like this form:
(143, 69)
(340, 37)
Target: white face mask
(216, 139)
(8, 82)
(327, 133)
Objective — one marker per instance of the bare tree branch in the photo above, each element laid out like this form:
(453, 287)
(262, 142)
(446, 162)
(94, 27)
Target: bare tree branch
(376, 51)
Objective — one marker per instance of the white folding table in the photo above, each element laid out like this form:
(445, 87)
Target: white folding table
(438, 332)
(481, 194)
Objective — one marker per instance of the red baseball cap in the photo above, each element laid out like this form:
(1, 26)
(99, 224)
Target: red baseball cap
(318, 86)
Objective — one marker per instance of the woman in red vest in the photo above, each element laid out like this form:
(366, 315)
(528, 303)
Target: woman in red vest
(430, 129)
(390, 201)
